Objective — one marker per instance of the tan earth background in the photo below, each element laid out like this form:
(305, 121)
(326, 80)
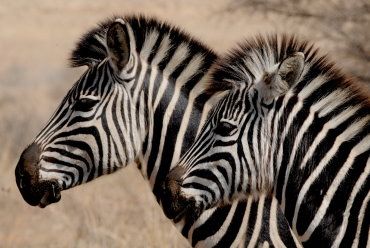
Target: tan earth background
(119, 210)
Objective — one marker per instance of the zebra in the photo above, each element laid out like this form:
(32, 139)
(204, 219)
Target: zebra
(141, 101)
(290, 125)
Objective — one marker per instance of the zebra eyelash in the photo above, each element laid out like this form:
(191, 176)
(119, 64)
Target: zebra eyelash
(225, 128)
(85, 104)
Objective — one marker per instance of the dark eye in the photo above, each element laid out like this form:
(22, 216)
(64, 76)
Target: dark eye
(85, 104)
(225, 128)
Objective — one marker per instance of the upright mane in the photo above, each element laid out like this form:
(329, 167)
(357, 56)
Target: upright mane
(92, 46)
(252, 58)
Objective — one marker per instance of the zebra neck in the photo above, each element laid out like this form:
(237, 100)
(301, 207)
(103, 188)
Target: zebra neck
(175, 112)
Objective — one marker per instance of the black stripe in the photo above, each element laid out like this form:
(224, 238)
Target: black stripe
(234, 227)
(211, 226)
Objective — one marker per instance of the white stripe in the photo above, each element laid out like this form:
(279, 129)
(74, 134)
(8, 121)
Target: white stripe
(275, 131)
(194, 93)
(240, 238)
(360, 221)
(200, 221)
(127, 129)
(346, 213)
(214, 239)
(333, 123)
(349, 133)
(114, 130)
(150, 41)
(208, 107)
(273, 224)
(307, 91)
(181, 53)
(258, 224)
(162, 50)
(120, 128)
(289, 122)
(195, 192)
(251, 163)
(159, 56)
(255, 147)
(358, 149)
(176, 59)
(201, 146)
(322, 108)
(184, 77)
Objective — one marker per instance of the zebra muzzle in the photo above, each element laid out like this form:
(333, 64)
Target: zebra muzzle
(34, 191)
(51, 195)
(175, 205)
(41, 193)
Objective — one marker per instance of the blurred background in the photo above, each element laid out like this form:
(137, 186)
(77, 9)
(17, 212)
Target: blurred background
(119, 210)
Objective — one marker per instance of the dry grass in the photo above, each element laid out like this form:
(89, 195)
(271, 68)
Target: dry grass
(36, 38)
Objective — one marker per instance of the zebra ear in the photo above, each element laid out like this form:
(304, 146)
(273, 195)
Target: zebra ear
(118, 44)
(279, 82)
(291, 68)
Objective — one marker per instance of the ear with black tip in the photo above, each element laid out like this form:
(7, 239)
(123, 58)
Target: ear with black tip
(118, 43)
(291, 68)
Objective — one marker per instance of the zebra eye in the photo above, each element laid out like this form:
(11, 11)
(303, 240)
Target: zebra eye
(225, 128)
(85, 104)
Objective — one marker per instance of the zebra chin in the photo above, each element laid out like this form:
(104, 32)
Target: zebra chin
(176, 206)
(40, 194)
(34, 191)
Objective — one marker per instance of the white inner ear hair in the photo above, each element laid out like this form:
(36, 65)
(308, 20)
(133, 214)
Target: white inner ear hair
(271, 86)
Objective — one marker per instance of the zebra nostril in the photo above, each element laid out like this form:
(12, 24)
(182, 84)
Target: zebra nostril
(54, 193)
(21, 177)
(21, 186)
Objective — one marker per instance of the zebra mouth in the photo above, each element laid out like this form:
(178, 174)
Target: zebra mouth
(34, 191)
(189, 212)
(175, 205)
(40, 194)
(50, 196)
(176, 208)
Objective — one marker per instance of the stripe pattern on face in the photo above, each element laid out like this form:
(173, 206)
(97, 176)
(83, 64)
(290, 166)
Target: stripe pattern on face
(291, 126)
(146, 112)
(111, 118)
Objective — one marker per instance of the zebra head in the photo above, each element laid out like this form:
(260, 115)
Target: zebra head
(227, 158)
(100, 110)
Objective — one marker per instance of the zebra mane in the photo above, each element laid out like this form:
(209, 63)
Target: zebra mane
(252, 58)
(92, 46)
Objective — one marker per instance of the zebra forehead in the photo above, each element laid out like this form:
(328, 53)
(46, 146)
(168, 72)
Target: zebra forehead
(92, 46)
